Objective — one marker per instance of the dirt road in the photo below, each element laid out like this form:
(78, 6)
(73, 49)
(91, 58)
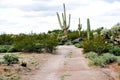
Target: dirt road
(70, 64)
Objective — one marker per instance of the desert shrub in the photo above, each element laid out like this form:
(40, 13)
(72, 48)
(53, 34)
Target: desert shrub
(50, 44)
(7, 48)
(106, 33)
(4, 48)
(1, 79)
(24, 43)
(109, 58)
(68, 42)
(115, 38)
(2, 62)
(101, 60)
(73, 35)
(105, 59)
(115, 50)
(11, 59)
(91, 55)
(12, 49)
(78, 45)
(97, 45)
(118, 63)
(6, 39)
(98, 61)
(115, 30)
(35, 42)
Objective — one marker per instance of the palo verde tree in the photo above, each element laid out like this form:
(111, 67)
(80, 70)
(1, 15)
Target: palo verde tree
(63, 22)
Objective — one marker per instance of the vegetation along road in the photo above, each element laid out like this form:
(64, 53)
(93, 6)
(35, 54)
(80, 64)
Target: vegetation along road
(70, 64)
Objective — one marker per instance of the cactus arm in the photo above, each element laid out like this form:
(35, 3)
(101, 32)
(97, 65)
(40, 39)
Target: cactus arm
(63, 21)
(64, 15)
(88, 24)
(69, 21)
(59, 20)
(88, 28)
(79, 20)
(79, 27)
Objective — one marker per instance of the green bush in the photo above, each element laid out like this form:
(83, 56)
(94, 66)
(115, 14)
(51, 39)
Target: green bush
(109, 58)
(97, 45)
(35, 43)
(11, 59)
(7, 48)
(99, 61)
(91, 55)
(4, 48)
(73, 35)
(1, 79)
(115, 50)
(118, 62)
(78, 45)
(6, 39)
(12, 49)
(68, 42)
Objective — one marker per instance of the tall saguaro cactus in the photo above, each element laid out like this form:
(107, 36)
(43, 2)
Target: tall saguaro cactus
(88, 28)
(63, 22)
(79, 27)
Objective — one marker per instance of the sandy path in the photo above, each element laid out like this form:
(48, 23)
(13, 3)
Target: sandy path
(70, 64)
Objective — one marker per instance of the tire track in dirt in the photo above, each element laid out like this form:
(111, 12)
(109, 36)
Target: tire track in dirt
(70, 64)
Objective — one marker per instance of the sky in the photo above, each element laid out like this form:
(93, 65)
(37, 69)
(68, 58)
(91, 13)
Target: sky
(37, 16)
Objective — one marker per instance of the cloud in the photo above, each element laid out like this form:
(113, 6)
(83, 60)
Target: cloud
(111, 1)
(24, 16)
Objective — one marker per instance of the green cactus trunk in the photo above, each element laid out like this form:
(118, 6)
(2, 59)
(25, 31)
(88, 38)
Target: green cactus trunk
(79, 28)
(88, 29)
(63, 23)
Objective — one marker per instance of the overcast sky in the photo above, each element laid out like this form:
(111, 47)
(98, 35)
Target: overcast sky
(24, 16)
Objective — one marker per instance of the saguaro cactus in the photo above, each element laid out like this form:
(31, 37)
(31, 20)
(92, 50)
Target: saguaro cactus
(63, 23)
(88, 28)
(79, 28)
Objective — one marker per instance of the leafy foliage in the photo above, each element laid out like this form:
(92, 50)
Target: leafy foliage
(78, 45)
(6, 39)
(91, 55)
(73, 35)
(115, 38)
(11, 59)
(4, 48)
(97, 45)
(35, 43)
(101, 60)
(109, 58)
(115, 50)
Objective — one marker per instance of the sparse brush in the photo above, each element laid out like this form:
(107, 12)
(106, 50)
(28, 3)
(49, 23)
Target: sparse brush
(91, 55)
(118, 62)
(11, 59)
